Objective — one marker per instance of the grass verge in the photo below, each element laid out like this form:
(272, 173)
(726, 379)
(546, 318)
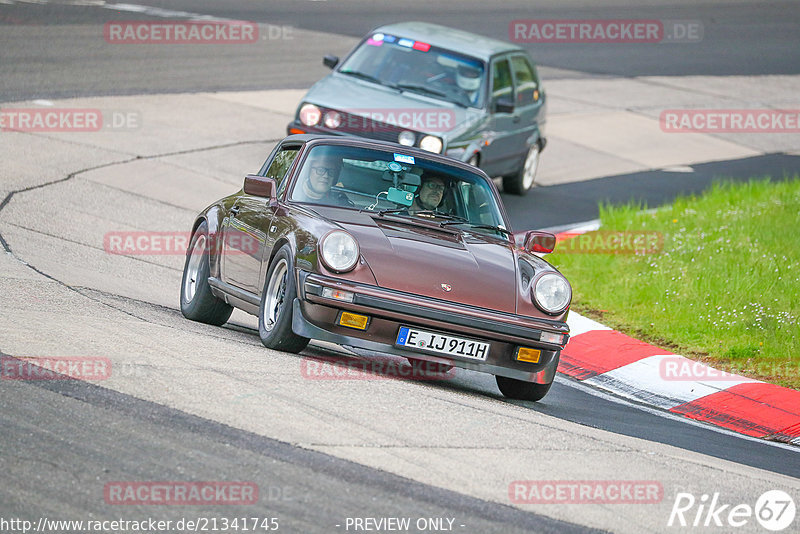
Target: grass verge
(723, 289)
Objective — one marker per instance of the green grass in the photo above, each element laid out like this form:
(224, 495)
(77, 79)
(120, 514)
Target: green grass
(725, 288)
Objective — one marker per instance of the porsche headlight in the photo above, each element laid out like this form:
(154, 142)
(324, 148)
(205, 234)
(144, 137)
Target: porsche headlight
(552, 293)
(339, 251)
(431, 143)
(309, 114)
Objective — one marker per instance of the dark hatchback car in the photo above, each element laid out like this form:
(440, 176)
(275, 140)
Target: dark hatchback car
(386, 248)
(472, 98)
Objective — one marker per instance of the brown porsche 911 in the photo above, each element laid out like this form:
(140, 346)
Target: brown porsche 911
(381, 247)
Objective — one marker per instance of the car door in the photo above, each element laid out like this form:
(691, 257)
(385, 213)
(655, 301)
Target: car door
(248, 231)
(528, 104)
(502, 127)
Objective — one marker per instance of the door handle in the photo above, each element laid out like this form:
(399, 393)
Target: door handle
(516, 119)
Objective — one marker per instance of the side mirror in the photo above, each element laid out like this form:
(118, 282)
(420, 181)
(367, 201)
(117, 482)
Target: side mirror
(259, 186)
(542, 242)
(330, 61)
(504, 105)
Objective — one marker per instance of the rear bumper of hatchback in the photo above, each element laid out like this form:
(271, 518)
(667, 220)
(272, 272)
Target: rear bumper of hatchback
(316, 315)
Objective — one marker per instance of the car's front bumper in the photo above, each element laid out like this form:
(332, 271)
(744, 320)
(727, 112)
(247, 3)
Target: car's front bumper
(315, 317)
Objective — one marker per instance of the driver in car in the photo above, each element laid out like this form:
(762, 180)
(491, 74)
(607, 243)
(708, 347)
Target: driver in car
(321, 173)
(430, 194)
(468, 80)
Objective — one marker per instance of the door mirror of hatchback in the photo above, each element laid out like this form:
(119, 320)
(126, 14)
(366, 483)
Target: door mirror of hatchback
(330, 61)
(541, 242)
(260, 186)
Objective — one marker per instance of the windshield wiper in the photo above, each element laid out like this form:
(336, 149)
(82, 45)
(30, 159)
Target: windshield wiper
(428, 90)
(438, 215)
(365, 76)
(421, 89)
(391, 210)
(478, 225)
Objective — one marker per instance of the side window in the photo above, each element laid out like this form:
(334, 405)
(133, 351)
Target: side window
(501, 81)
(526, 83)
(280, 166)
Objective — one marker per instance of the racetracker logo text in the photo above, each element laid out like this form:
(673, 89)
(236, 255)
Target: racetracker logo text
(730, 121)
(55, 368)
(353, 369)
(585, 492)
(605, 31)
(171, 243)
(181, 493)
(179, 32)
(610, 242)
(66, 120)
(391, 119)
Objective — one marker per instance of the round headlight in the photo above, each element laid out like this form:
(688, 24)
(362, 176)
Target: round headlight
(339, 251)
(406, 138)
(333, 119)
(431, 144)
(309, 114)
(552, 293)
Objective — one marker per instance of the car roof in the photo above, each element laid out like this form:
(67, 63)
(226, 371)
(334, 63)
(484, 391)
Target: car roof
(315, 138)
(449, 38)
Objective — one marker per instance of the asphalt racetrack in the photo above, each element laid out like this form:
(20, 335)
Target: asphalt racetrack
(189, 402)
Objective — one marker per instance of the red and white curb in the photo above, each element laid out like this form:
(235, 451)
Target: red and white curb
(612, 361)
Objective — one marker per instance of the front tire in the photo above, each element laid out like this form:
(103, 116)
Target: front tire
(521, 390)
(275, 312)
(197, 301)
(522, 181)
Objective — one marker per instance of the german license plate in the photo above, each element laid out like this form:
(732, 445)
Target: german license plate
(442, 343)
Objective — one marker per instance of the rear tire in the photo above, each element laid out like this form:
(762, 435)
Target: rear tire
(197, 301)
(277, 300)
(522, 181)
(521, 390)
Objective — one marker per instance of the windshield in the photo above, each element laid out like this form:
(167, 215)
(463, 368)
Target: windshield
(418, 67)
(389, 183)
